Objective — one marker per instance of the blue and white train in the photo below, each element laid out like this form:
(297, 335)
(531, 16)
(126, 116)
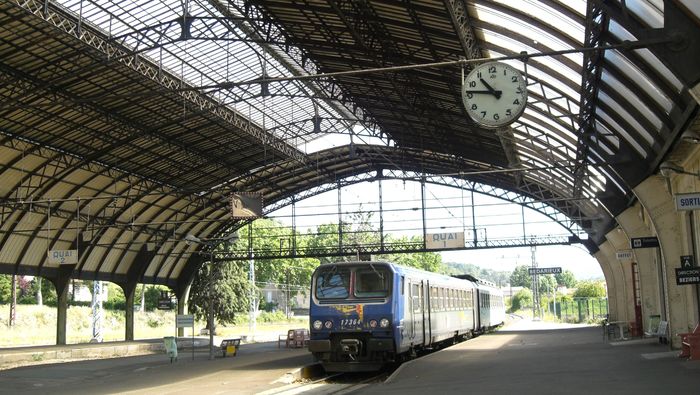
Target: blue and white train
(364, 315)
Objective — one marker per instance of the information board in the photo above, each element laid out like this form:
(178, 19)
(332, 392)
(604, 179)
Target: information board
(184, 320)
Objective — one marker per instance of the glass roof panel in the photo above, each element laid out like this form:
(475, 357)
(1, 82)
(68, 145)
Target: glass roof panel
(537, 10)
(662, 71)
(632, 98)
(649, 12)
(642, 80)
(622, 112)
(620, 131)
(693, 6)
(286, 112)
(547, 61)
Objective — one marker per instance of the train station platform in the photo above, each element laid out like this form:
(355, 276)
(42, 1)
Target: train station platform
(525, 357)
(257, 367)
(538, 358)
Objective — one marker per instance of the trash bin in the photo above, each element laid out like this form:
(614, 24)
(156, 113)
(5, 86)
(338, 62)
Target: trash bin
(170, 347)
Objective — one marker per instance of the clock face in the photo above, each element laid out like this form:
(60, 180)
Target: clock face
(494, 94)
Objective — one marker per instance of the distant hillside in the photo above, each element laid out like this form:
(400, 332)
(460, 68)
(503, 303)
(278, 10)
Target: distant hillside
(500, 278)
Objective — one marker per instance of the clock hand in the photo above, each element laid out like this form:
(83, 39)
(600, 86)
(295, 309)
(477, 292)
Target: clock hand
(496, 93)
(493, 91)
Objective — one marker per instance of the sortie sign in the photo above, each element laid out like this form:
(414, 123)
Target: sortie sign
(688, 201)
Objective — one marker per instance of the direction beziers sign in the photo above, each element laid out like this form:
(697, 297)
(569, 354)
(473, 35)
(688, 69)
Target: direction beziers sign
(687, 276)
(544, 270)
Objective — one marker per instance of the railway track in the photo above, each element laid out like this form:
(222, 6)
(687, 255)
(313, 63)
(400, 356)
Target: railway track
(332, 384)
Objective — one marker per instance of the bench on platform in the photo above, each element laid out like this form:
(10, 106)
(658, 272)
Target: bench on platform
(690, 344)
(660, 331)
(230, 346)
(294, 338)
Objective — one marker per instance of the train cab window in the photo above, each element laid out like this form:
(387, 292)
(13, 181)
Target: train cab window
(333, 283)
(372, 283)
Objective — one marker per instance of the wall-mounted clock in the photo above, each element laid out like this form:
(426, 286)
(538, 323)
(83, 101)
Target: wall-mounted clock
(494, 94)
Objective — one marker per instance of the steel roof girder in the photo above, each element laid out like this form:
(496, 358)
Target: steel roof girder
(153, 72)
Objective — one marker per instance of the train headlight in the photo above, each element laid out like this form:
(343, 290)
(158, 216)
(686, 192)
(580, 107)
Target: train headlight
(372, 323)
(329, 324)
(384, 323)
(318, 324)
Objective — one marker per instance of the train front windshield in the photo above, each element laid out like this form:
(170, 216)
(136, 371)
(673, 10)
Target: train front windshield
(346, 283)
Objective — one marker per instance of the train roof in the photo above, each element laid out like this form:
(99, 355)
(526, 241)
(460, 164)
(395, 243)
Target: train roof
(474, 279)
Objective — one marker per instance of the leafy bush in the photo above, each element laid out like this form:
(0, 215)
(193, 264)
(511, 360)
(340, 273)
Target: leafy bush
(268, 306)
(272, 316)
(152, 296)
(589, 289)
(521, 300)
(5, 288)
(115, 298)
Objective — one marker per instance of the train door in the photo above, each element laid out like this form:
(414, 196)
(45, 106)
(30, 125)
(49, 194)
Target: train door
(416, 312)
(428, 308)
(477, 309)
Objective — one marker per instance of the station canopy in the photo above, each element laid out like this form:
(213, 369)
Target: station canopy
(126, 125)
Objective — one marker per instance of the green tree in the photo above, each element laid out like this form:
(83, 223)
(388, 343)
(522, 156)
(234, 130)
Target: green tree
(521, 300)
(547, 283)
(589, 289)
(152, 296)
(226, 285)
(429, 261)
(5, 288)
(520, 277)
(566, 279)
(271, 235)
(323, 240)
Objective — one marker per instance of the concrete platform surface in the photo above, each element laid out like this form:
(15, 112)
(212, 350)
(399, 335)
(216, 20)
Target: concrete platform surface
(256, 368)
(520, 360)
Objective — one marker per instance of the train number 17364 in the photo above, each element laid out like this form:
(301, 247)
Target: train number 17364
(345, 322)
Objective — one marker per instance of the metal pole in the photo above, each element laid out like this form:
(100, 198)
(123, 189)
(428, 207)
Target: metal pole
(662, 285)
(253, 305)
(13, 301)
(476, 239)
(211, 304)
(340, 222)
(381, 217)
(97, 311)
(422, 206)
(251, 276)
(522, 216)
(294, 228)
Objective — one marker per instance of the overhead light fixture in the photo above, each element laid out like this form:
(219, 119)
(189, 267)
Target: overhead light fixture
(192, 239)
(667, 168)
(691, 136)
(231, 237)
